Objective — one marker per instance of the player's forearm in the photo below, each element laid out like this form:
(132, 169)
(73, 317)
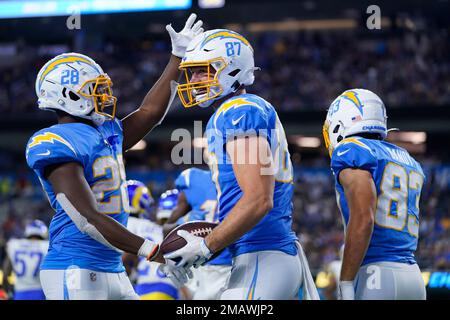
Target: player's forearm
(177, 214)
(360, 193)
(245, 215)
(116, 234)
(359, 232)
(153, 108)
(156, 100)
(182, 208)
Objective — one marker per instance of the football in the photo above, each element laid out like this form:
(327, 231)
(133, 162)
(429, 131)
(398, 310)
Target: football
(173, 241)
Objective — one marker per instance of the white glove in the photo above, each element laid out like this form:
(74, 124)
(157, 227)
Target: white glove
(346, 290)
(181, 39)
(148, 250)
(194, 253)
(178, 275)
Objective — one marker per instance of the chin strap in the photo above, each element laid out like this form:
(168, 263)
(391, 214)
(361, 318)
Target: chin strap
(98, 119)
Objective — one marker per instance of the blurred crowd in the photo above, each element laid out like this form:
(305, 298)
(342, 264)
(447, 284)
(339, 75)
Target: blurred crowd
(299, 70)
(316, 219)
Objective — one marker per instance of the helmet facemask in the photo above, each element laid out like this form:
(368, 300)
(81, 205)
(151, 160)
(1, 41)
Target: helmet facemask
(326, 137)
(99, 90)
(334, 137)
(201, 93)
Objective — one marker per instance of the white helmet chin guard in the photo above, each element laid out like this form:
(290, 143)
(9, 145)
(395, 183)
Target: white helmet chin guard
(228, 59)
(354, 111)
(75, 84)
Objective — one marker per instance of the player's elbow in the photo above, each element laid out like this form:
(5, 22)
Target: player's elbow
(93, 217)
(258, 202)
(365, 222)
(265, 204)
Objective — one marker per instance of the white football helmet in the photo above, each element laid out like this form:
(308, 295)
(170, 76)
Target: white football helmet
(231, 56)
(75, 84)
(36, 228)
(354, 111)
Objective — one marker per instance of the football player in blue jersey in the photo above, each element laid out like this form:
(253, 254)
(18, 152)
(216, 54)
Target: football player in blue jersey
(252, 170)
(79, 163)
(198, 201)
(378, 187)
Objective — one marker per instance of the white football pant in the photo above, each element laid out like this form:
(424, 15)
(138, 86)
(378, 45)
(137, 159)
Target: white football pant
(270, 275)
(212, 280)
(84, 284)
(389, 281)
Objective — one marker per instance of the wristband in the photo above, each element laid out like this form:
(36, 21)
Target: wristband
(205, 250)
(148, 249)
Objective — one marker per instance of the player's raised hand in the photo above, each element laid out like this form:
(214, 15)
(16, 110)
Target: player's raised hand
(194, 253)
(180, 40)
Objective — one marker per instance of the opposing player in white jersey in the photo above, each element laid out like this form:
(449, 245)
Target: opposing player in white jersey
(251, 167)
(79, 162)
(24, 257)
(378, 186)
(151, 283)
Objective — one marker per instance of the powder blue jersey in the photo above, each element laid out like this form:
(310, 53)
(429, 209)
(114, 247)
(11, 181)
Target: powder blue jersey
(201, 195)
(99, 151)
(247, 115)
(398, 180)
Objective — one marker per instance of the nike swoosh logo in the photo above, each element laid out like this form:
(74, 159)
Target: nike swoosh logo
(208, 50)
(343, 152)
(44, 154)
(235, 122)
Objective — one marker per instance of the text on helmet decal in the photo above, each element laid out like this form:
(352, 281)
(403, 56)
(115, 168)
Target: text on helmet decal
(371, 128)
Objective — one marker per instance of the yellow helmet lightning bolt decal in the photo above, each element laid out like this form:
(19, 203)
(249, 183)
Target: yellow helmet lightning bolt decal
(64, 59)
(353, 97)
(225, 34)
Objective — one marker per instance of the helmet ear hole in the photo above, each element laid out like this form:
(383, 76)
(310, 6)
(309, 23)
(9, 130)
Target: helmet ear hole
(336, 129)
(234, 72)
(73, 96)
(339, 139)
